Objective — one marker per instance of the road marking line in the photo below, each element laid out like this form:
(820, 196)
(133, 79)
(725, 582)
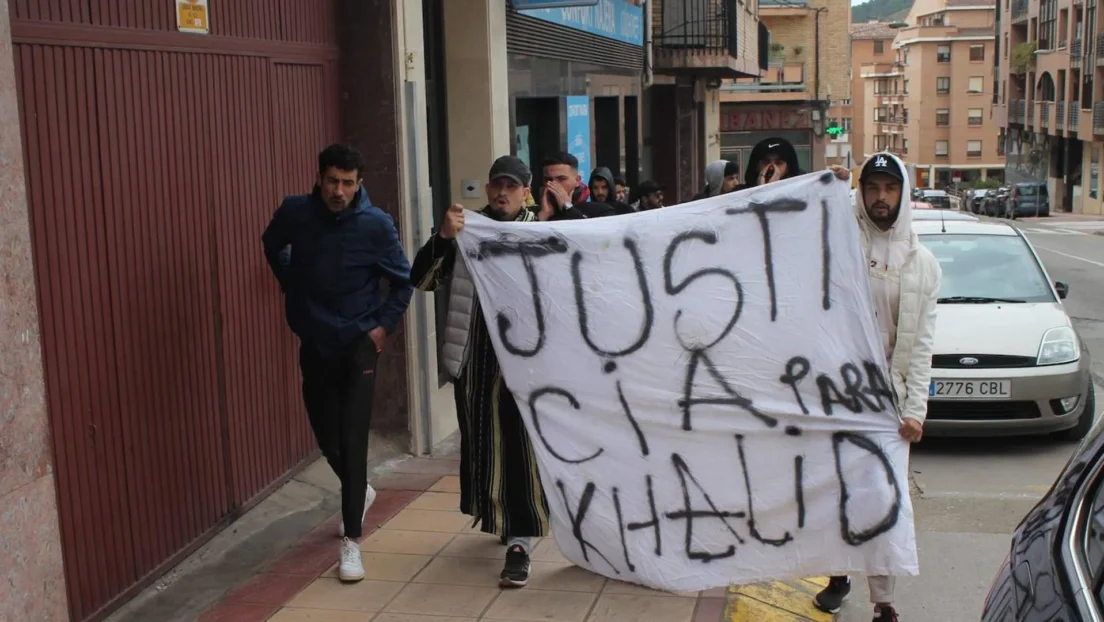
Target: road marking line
(1089, 261)
(776, 601)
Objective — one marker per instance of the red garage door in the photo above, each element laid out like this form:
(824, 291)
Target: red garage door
(154, 160)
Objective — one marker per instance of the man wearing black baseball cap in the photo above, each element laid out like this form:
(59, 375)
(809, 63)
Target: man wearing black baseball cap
(904, 286)
(499, 483)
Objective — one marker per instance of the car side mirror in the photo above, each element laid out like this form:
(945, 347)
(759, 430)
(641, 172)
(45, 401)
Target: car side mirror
(1062, 288)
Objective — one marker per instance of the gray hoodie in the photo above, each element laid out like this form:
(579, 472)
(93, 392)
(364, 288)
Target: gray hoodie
(714, 176)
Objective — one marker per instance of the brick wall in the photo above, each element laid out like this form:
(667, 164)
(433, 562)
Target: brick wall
(795, 27)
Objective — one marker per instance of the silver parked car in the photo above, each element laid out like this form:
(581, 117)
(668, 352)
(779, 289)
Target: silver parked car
(1007, 359)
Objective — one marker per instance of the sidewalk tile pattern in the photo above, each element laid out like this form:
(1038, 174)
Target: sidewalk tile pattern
(424, 563)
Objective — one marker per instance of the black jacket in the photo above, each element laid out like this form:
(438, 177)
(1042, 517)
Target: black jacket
(331, 278)
(618, 207)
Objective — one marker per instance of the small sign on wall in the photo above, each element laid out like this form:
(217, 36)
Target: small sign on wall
(191, 16)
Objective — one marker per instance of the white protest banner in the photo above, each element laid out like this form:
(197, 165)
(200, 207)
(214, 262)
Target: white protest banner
(704, 386)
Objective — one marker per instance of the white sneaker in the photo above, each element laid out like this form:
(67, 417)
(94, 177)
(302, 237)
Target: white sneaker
(369, 499)
(351, 568)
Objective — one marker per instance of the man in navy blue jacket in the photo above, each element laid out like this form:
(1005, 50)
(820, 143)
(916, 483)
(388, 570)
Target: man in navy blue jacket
(341, 248)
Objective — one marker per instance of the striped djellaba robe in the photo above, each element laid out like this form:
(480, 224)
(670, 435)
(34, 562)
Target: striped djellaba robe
(499, 482)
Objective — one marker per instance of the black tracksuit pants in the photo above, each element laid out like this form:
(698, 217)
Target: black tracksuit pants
(337, 392)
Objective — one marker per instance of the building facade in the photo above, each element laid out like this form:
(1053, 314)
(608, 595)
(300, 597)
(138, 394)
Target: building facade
(695, 45)
(1051, 102)
(803, 85)
(575, 81)
(871, 44)
(931, 103)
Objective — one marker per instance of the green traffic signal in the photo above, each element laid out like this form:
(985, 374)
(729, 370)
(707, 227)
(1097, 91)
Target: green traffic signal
(835, 130)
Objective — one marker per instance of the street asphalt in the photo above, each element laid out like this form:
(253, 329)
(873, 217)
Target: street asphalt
(970, 494)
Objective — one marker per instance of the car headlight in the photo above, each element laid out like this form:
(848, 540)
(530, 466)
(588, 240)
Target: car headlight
(1059, 346)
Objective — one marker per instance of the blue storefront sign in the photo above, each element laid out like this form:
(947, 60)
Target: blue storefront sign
(578, 132)
(523, 5)
(613, 19)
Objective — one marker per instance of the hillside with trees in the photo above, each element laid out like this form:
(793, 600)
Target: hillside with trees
(880, 10)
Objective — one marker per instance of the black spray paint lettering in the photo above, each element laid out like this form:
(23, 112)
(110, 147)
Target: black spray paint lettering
(578, 517)
(732, 398)
(753, 528)
(536, 396)
(692, 512)
(796, 370)
(709, 237)
(761, 210)
(528, 250)
(856, 538)
(646, 299)
(799, 489)
(825, 257)
(640, 439)
(688, 513)
(652, 523)
(863, 390)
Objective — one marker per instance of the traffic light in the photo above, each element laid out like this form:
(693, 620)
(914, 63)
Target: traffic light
(833, 129)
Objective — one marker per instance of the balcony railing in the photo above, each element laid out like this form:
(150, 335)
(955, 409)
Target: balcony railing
(1044, 114)
(1060, 115)
(1098, 118)
(1073, 115)
(698, 37)
(1019, 11)
(777, 78)
(1016, 111)
(1075, 52)
(1099, 48)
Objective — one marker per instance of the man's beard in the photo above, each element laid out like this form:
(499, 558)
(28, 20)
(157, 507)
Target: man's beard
(498, 212)
(890, 214)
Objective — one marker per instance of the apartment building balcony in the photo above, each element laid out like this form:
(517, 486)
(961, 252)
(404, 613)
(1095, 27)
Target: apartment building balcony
(1042, 115)
(702, 38)
(890, 98)
(1100, 50)
(1016, 111)
(1075, 52)
(881, 70)
(998, 115)
(1060, 115)
(779, 82)
(1098, 118)
(1019, 11)
(1073, 116)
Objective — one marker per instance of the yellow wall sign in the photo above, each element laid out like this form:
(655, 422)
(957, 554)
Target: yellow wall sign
(191, 16)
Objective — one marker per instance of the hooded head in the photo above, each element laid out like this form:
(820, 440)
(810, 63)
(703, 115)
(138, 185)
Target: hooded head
(772, 151)
(721, 176)
(602, 187)
(883, 200)
(714, 176)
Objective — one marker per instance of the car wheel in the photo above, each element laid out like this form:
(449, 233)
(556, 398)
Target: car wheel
(1086, 421)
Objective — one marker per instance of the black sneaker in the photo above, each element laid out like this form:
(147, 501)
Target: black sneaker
(885, 613)
(831, 598)
(516, 571)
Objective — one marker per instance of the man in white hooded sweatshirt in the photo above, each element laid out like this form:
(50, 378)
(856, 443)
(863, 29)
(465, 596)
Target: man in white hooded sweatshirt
(904, 279)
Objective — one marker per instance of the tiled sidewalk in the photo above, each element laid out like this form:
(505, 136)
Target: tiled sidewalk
(424, 563)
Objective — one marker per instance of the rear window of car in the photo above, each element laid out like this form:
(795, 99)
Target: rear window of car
(988, 266)
(1031, 190)
(934, 193)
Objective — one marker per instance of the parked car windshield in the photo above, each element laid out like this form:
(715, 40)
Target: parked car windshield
(1031, 191)
(986, 268)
